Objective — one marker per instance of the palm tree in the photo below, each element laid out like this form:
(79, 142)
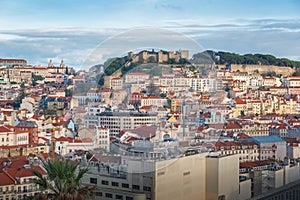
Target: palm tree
(62, 181)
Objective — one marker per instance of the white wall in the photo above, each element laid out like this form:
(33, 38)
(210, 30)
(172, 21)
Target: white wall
(291, 173)
(222, 177)
(181, 178)
(245, 190)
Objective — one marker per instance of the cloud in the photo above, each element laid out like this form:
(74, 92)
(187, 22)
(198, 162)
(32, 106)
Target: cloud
(6, 37)
(275, 36)
(84, 47)
(167, 6)
(37, 46)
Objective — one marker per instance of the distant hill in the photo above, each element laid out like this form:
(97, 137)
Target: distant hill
(222, 58)
(95, 68)
(209, 57)
(132, 60)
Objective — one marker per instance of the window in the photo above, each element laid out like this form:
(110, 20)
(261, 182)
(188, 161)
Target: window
(104, 182)
(146, 188)
(129, 198)
(125, 185)
(93, 180)
(135, 187)
(119, 196)
(108, 195)
(99, 194)
(116, 184)
(186, 173)
(160, 173)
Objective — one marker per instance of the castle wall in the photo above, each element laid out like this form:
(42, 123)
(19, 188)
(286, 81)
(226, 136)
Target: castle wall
(285, 71)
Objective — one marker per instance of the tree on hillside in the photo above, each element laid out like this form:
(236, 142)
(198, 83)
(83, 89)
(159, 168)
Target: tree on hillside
(252, 59)
(153, 90)
(296, 73)
(63, 182)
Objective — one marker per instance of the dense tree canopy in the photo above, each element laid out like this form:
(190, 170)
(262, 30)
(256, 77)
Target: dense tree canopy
(114, 64)
(233, 58)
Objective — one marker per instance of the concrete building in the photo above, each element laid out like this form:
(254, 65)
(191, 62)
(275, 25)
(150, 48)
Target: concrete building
(123, 120)
(154, 100)
(102, 138)
(222, 177)
(203, 84)
(116, 83)
(246, 151)
(187, 172)
(293, 148)
(271, 147)
(65, 145)
(136, 77)
(193, 177)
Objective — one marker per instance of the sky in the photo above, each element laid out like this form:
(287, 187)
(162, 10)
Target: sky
(75, 30)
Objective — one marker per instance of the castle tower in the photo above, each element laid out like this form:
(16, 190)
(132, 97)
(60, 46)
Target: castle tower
(50, 63)
(160, 56)
(62, 64)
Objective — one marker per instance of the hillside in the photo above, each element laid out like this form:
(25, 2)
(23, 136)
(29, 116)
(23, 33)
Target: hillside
(222, 58)
(125, 63)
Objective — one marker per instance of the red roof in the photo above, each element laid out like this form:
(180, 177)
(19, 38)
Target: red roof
(13, 60)
(145, 107)
(6, 179)
(255, 163)
(4, 129)
(232, 126)
(239, 101)
(25, 172)
(70, 140)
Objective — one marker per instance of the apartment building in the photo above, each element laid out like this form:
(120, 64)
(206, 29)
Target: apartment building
(203, 84)
(16, 177)
(12, 62)
(154, 100)
(116, 83)
(102, 138)
(120, 120)
(270, 147)
(247, 151)
(135, 77)
(64, 145)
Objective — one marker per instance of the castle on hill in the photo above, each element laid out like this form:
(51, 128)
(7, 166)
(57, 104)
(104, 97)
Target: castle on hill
(158, 57)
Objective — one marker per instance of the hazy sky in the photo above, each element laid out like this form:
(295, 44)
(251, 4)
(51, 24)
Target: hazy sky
(39, 30)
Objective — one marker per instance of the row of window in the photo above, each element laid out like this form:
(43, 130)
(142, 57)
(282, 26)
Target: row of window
(116, 184)
(238, 152)
(3, 139)
(110, 196)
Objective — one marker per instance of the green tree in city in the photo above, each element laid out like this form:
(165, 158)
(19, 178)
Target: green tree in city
(153, 90)
(63, 182)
